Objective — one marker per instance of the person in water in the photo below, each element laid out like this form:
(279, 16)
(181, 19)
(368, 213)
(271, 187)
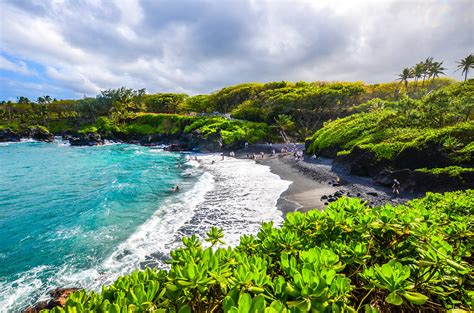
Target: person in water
(175, 189)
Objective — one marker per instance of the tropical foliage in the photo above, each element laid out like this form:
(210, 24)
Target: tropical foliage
(441, 121)
(466, 64)
(351, 257)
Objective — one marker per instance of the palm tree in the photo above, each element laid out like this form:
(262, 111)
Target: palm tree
(436, 69)
(426, 67)
(418, 71)
(466, 64)
(284, 123)
(405, 76)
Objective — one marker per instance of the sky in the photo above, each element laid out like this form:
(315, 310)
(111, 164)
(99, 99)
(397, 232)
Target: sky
(71, 49)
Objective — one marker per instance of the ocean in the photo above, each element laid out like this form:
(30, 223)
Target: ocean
(82, 216)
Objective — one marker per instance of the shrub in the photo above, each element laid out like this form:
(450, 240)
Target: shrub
(413, 257)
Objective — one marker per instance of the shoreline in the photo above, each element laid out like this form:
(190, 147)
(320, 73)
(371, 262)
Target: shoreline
(316, 183)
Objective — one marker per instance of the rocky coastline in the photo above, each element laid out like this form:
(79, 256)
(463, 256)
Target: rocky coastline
(358, 163)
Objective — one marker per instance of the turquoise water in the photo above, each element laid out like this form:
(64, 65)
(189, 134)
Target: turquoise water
(64, 210)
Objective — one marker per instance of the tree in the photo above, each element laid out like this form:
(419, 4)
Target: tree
(418, 71)
(405, 76)
(284, 123)
(23, 100)
(436, 69)
(466, 64)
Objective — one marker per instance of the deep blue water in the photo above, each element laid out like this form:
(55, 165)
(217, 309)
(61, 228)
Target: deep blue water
(64, 210)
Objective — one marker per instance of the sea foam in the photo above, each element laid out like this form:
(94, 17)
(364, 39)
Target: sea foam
(234, 194)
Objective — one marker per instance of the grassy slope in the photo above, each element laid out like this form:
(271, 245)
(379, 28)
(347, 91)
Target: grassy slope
(443, 119)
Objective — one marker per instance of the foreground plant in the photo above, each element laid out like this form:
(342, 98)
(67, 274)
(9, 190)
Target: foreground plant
(351, 257)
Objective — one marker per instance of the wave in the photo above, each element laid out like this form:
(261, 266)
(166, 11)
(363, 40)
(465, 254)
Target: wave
(236, 195)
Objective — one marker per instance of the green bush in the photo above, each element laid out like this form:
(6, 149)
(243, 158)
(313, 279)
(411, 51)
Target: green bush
(413, 257)
(441, 119)
(453, 171)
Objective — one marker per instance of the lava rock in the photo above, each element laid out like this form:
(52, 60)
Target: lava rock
(90, 139)
(59, 298)
(9, 135)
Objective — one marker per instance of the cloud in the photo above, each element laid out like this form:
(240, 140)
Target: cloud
(17, 67)
(200, 46)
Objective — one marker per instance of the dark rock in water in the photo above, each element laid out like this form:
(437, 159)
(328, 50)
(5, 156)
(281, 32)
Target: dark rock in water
(374, 194)
(332, 199)
(324, 197)
(175, 147)
(325, 203)
(90, 139)
(41, 134)
(59, 298)
(338, 193)
(336, 185)
(358, 194)
(9, 135)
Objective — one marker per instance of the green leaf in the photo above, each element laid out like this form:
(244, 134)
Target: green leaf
(394, 299)
(185, 309)
(245, 303)
(415, 297)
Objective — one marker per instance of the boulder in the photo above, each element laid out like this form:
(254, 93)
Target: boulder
(58, 298)
(90, 139)
(9, 135)
(41, 134)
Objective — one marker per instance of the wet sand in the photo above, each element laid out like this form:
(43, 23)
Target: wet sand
(316, 180)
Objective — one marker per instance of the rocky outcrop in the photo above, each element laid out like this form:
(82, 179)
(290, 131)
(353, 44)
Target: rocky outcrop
(41, 134)
(58, 298)
(415, 181)
(36, 133)
(9, 135)
(363, 162)
(90, 139)
(196, 140)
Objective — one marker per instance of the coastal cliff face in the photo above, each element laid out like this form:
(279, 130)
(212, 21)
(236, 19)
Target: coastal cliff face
(35, 132)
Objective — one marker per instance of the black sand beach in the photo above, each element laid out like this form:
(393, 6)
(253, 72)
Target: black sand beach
(318, 182)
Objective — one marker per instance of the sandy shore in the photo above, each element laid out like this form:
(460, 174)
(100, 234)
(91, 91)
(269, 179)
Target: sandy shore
(318, 182)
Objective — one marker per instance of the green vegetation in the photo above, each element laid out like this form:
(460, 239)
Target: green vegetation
(141, 124)
(350, 257)
(440, 121)
(466, 64)
(307, 105)
(453, 171)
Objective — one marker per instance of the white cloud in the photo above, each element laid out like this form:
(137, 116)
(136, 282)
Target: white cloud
(200, 46)
(17, 67)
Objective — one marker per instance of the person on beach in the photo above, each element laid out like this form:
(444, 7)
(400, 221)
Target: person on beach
(232, 154)
(396, 187)
(248, 156)
(262, 155)
(246, 145)
(273, 152)
(254, 156)
(195, 158)
(222, 155)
